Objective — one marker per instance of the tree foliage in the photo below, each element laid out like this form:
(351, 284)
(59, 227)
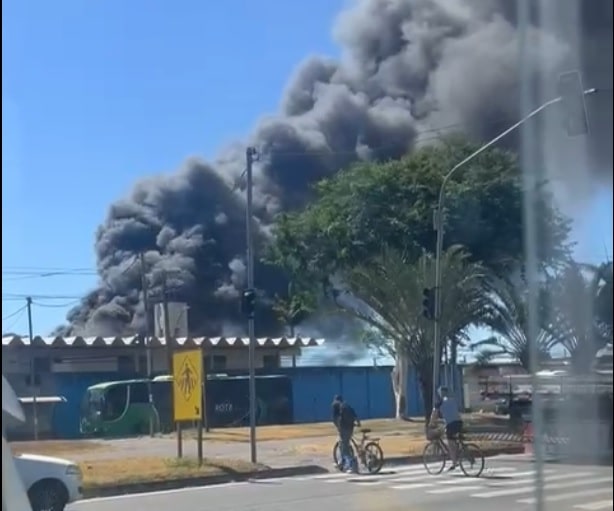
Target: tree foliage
(507, 316)
(577, 294)
(370, 205)
(386, 293)
(294, 307)
(603, 299)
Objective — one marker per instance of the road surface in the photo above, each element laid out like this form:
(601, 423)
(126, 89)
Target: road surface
(506, 485)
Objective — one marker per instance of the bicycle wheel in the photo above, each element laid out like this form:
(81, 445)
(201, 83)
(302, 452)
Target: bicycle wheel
(471, 460)
(373, 457)
(337, 455)
(337, 458)
(434, 458)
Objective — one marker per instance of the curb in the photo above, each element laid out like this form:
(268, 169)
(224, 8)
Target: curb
(270, 473)
(177, 484)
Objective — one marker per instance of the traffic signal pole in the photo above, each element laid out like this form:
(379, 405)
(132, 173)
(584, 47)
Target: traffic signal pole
(250, 153)
(440, 213)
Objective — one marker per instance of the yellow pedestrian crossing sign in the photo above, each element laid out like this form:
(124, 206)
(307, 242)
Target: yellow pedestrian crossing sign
(187, 385)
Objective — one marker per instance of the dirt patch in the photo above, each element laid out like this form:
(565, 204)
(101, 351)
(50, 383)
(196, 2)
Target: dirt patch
(393, 446)
(298, 431)
(403, 427)
(57, 447)
(99, 473)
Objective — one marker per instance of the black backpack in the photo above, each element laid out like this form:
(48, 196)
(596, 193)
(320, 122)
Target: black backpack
(347, 417)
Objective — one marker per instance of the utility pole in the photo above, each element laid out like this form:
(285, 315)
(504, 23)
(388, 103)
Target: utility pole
(168, 338)
(32, 369)
(147, 340)
(167, 323)
(250, 155)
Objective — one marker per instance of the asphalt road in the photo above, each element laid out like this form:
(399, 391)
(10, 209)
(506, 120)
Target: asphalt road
(506, 485)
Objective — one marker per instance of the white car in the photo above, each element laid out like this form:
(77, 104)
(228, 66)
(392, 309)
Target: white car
(51, 483)
(48, 483)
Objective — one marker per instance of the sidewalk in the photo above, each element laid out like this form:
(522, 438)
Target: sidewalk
(274, 453)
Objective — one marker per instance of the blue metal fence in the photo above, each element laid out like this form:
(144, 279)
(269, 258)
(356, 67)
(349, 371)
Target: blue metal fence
(368, 389)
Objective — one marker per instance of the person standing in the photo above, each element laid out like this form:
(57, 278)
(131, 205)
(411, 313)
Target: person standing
(345, 418)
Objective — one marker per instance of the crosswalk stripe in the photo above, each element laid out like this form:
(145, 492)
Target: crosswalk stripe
(459, 484)
(566, 496)
(409, 478)
(454, 489)
(527, 489)
(403, 473)
(396, 471)
(510, 474)
(531, 480)
(405, 476)
(595, 506)
(411, 486)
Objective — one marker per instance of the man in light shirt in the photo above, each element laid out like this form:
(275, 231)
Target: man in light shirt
(447, 409)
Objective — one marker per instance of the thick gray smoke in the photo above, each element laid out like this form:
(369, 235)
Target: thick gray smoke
(410, 70)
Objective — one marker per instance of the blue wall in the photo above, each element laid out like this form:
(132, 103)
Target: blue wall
(368, 389)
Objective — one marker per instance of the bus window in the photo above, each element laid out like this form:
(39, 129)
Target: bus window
(138, 393)
(115, 402)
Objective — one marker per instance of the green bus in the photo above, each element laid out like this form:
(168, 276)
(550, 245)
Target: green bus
(123, 408)
(120, 408)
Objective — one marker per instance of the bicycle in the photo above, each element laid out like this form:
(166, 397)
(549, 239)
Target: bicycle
(369, 451)
(436, 453)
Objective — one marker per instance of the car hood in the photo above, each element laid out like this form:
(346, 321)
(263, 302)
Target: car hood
(38, 458)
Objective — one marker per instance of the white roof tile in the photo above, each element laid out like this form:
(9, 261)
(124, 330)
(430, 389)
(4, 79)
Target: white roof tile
(59, 342)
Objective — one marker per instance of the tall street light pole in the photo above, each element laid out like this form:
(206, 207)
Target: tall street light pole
(439, 220)
(250, 155)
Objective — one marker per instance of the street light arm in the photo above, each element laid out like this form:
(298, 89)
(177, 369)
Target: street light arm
(440, 217)
(501, 135)
(492, 142)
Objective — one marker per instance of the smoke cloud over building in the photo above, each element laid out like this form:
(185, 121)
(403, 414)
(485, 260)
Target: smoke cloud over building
(410, 71)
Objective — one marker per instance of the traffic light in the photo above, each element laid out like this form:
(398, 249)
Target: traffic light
(571, 92)
(428, 303)
(248, 303)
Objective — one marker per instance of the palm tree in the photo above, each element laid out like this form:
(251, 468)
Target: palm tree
(386, 294)
(603, 299)
(508, 318)
(294, 307)
(577, 293)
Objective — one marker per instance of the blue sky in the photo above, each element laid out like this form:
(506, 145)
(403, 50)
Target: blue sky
(98, 94)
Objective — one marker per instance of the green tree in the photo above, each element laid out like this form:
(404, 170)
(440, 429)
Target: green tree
(386, 294)
(294, 307)
(603, 299)
(508, 318)
(371, 204)
(574, 319)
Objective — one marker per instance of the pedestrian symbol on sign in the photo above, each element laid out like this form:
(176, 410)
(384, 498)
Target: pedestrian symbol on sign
(187, 379)
(187, 385)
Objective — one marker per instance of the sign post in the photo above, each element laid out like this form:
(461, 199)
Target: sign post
(187, 390)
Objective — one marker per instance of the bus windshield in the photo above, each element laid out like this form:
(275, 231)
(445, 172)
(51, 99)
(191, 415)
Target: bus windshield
(92, 402)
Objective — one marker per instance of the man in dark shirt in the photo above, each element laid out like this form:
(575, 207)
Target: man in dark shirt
(344, 418)
(336, 408)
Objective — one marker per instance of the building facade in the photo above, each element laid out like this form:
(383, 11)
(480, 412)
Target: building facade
(23, 359)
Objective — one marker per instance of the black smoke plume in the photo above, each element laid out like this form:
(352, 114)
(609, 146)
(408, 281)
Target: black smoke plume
(409, 69)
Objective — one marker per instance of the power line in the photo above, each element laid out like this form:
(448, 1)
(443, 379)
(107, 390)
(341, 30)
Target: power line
(23, 296)
(36, 269)
(14, 313)
(57, 305)
(15, 316)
